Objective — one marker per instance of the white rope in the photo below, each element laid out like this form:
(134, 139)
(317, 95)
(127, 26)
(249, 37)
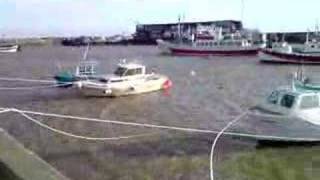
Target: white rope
(184, 129)
(216, 141)
(34, 87)
(74, 135)
(26, 80)
(4, 111)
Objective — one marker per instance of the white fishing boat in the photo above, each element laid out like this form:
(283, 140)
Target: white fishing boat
(293, 103)
(9, 48)
(128, 78)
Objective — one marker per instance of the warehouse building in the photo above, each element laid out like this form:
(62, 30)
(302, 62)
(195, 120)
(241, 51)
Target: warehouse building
(148, 33)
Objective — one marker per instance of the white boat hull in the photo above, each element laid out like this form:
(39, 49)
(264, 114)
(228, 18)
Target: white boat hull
(123, 89)
(9, 49)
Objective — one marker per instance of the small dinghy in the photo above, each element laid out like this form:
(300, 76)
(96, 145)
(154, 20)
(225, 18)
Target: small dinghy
(9, 48)
(128, 78)
(85, 70)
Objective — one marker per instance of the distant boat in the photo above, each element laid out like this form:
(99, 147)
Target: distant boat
(308, 53)
(9, 48)
(284, 53)
(210, 41)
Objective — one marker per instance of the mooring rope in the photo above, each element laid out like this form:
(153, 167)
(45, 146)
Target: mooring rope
(26, 80)
(61, 132)
(217, 138)
(35, 87)
(25, 113)
(167, 127)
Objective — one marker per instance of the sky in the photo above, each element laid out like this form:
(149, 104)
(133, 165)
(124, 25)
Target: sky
(109, 17)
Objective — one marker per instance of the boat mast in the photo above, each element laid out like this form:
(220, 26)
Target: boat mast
(317, 28)
(307, 36)
(179, 27)
(242, 10)
(85, 55)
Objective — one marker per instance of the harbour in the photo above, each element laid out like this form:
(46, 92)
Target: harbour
(172, 90)
(200, 98)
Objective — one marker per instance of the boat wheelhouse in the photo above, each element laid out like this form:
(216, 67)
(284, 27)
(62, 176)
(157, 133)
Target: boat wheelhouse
(302, 104)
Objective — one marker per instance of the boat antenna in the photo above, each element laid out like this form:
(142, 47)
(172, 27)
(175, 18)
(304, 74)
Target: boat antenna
(242, 10)
(317, 28)
(179, 27)
(307, 36)
(85, 55)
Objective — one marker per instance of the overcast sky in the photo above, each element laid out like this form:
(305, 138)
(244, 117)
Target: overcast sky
(108, 17)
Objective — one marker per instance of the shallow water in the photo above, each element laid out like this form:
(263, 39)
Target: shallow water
(207, 93)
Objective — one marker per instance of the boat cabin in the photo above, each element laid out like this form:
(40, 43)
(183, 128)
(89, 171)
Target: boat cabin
(294, 100)
(301, 104)
(312, 46)
(130, 69)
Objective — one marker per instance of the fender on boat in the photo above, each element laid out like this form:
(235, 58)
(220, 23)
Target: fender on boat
(167, 84)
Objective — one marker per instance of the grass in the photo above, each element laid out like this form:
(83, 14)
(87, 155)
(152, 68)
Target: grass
(273, 164)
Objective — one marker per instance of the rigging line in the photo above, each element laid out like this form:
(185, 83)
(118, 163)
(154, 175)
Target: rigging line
(58, 131)
(176, 128)
(34, 87)
(4, 110)
(217, 138)
(26, 80)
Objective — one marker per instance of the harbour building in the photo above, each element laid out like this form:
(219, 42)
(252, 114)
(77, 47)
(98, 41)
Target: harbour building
(149, 33)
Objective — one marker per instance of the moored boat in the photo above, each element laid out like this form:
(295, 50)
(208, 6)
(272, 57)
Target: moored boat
(287, 55)
(9, 48)
(210, 41)
(129, 78)
(302, 104)
(307, 53)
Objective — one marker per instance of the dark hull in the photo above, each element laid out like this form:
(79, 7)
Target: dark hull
(197, 52)
(271, 56)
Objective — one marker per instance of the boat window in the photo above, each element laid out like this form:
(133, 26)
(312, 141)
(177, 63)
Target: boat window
(138, 71)
(287, 101)
(118, 80)
(273, 98)
(309, 102)
(130, 72)
(120, 71)
(103, 80)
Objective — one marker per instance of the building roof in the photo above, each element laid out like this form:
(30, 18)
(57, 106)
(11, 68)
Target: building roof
(195, 22)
